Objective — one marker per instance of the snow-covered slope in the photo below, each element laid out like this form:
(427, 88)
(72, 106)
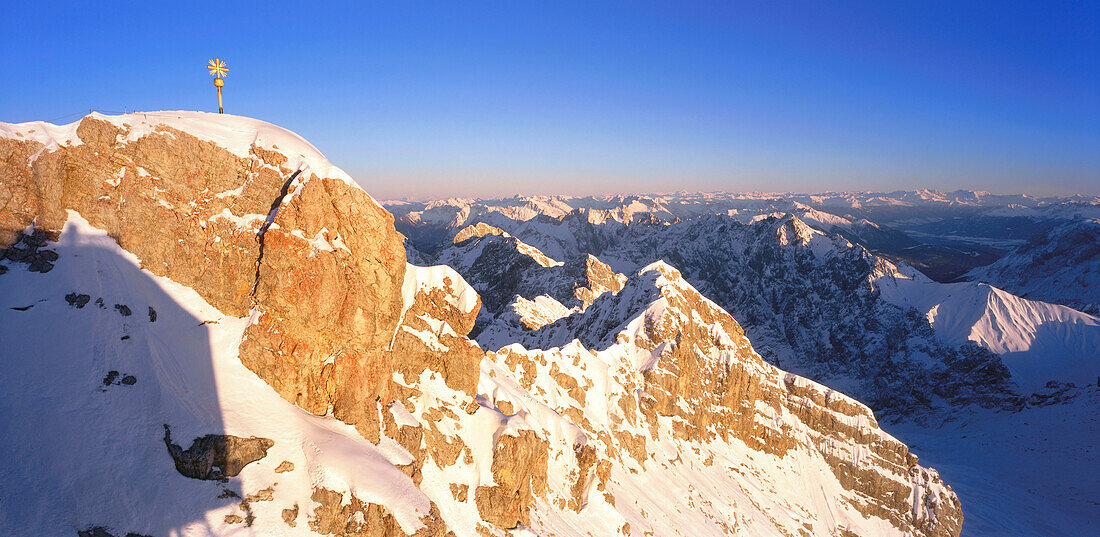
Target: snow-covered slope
(85, 448)
(926, 355)
(1039, 342)
(659, 349)
(236, 134)
(1060, 266)
(1021, 473)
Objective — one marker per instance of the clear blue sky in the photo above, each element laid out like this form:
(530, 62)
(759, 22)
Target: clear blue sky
(494, 98)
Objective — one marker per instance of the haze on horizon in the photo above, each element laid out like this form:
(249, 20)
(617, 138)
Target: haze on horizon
(495, 99)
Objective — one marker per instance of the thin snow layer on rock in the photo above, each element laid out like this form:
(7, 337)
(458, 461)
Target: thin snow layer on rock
(237, 134)
(614, 446)
(81, 452)
(722, 482)
(1038, 342)
(538, 312)
(49, 135)
(424, 279)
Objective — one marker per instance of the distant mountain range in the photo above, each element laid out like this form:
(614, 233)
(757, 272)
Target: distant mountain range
(944, 235)
(819, 295)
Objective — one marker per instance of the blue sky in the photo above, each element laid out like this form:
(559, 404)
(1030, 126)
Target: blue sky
(496, 98)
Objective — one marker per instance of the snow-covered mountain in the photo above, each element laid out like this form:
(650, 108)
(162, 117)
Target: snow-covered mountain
(821, 306)
(942, 234)
(210, 330)
(918, 351)
(1061, 266)
(824, 209)
(696, 231)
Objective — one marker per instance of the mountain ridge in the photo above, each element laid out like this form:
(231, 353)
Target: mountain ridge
(282, 313)
(927, 356)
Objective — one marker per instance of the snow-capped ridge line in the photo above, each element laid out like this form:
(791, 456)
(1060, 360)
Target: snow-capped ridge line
(236, 134)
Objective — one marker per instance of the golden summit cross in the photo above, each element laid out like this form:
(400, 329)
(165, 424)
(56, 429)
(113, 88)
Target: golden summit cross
(219, 70)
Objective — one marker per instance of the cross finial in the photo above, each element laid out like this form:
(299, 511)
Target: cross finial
(218, 69)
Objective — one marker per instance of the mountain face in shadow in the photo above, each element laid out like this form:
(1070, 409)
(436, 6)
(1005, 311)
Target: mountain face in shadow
(98, 359)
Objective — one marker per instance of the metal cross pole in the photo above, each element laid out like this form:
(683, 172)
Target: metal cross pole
(218, 69)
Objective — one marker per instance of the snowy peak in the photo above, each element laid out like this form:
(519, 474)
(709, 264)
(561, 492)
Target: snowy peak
(477, 231)
(470, 235)
(649, 307)
(241, 136)
(1037, 341)
(1061, 266)
(792, 230)
(698, 380)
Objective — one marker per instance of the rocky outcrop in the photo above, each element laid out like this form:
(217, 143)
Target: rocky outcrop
(691, 376)
(318, 304)
(216, 456)
(100, 531)
(519, 475)
(29, 248)
(326, 297)
(440, 311)
(592, 278)
(362, 519)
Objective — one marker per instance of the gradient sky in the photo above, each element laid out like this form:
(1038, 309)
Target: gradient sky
(496, 98)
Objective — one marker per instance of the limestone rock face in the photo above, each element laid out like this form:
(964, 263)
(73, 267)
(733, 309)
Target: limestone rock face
(363, 519)
(519, 471)
(322, 281)
(593, 278)
(340, 298)
(684, 373)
